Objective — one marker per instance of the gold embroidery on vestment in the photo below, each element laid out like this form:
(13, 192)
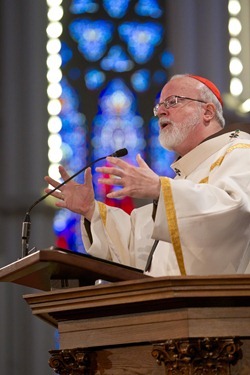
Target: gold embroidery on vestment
(219, 161)
(172, 222)
(204, 180)
(103, 212)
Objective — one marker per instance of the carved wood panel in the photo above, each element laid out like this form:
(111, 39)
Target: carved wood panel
(76, 361)
(204, 356)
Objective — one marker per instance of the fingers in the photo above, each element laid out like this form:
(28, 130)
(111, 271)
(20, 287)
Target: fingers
(117, 194)
(56, 194)
(141, 162)
(111, 181)
(63, 173)
(55, 183)
(116, 161)
(121, 166)
(51, 181)
(61, 204)
(88, 177)
(124, 165)
(110, 170)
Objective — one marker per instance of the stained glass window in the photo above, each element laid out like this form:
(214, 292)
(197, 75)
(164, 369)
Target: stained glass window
(114, 62)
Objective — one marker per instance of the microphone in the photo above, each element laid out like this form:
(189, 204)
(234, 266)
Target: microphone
(27, 222)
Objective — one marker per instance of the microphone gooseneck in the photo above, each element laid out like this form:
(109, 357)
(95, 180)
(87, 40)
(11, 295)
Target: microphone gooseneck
(26, 226)
(26, 234)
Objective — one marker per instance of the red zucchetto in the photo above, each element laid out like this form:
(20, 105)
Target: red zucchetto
(210, 85)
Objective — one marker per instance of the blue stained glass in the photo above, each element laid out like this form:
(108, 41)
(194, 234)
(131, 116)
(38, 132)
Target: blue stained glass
(74, 73)
(67, 150)
(141, 80)
(69, 98)
(117, 124)
(94, 79)
(67, 229)
(160, 77)
(92, 37)
(74, 147)
(141, 39)
(83, 6)
(116, 8)
(65, 53)
(57, 339)
(167, 59)
(117, 99)
(73, 131)
(117, 60)
(148, 8)
(60, 223)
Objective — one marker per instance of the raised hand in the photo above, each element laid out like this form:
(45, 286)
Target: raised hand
(136, 182)
(76, 197)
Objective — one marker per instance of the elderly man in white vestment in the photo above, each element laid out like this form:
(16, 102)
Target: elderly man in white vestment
(199, 222)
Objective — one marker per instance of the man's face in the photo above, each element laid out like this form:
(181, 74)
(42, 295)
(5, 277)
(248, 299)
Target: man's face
(178, 122)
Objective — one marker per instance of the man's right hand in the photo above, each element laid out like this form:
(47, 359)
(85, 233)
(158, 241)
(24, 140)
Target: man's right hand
(76, 197)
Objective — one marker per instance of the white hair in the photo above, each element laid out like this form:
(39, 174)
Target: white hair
(208, 96)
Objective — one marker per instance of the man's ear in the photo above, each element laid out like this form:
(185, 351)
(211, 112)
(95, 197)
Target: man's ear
(209, 112)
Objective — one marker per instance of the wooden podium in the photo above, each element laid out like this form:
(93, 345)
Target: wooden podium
(135, 324)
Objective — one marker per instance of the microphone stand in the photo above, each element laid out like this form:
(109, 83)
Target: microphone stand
(26, 226)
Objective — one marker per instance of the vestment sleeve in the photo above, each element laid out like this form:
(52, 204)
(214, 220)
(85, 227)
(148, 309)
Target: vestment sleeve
(106, 219)
(118, 236)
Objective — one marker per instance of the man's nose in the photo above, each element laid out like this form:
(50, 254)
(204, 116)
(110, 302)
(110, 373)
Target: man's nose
(162, 110)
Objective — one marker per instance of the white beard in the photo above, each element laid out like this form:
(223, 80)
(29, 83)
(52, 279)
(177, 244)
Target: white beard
(176, 132)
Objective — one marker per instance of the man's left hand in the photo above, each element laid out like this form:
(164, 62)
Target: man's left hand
(136, 182)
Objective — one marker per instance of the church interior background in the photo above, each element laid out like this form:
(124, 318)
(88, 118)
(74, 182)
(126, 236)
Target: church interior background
(79, 79)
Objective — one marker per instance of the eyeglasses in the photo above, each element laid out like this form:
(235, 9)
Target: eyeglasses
(171, 101)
